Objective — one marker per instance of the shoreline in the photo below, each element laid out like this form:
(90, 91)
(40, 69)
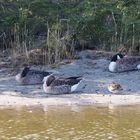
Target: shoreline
(93, 87)
(70, 100)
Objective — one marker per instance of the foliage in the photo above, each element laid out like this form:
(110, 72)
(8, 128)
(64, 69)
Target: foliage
(107, 24)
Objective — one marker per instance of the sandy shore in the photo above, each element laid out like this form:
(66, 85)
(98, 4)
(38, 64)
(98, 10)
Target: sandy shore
(92, 90)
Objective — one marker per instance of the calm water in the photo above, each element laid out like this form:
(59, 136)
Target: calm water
(70, 123)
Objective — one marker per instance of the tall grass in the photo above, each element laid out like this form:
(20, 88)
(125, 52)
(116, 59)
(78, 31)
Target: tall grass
(19, 45)
(57, 45)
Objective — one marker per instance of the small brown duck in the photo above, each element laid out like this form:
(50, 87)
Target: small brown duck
(60, 85)
(114, 87)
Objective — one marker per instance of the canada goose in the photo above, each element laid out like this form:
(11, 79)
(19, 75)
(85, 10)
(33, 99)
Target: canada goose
(29, 76)
(120, 64)
(60, 85)
(114, 87)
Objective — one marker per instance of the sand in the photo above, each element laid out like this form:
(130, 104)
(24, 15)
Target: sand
(91, 91)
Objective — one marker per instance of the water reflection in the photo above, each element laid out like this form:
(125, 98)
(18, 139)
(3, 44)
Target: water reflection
(70, 123)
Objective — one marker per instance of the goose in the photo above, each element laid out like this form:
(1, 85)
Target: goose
(114, 87)
(60, 85)
(29, 76)
(120, 63)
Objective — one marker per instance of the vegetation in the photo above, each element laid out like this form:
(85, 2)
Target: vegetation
(57, 27)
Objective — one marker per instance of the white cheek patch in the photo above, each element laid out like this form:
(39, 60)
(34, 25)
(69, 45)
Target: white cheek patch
(118, 57)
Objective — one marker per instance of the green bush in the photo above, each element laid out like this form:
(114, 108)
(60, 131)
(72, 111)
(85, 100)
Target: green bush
(106, 23)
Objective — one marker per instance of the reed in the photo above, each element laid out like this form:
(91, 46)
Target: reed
(56, 46)
(58, 43)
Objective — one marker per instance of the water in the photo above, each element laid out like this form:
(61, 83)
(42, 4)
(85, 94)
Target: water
(70, 123)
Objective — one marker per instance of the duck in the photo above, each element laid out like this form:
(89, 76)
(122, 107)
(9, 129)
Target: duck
(115, 87)
(121, 63)
(60, 85)
(30, 76)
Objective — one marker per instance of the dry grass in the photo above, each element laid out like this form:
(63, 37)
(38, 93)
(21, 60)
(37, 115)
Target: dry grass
(53, 49)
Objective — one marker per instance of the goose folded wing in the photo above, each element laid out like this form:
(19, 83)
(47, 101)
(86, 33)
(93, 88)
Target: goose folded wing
(67, 81)
(33, 72)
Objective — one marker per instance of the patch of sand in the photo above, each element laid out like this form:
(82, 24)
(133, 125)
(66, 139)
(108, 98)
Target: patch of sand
(92, 90)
